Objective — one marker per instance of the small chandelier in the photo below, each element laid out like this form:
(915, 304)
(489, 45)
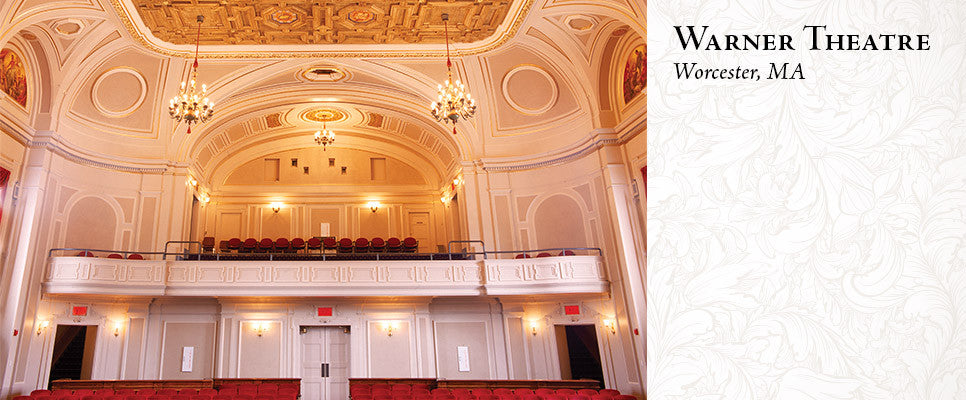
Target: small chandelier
(453, 101)
(324, 136)
(191, 106)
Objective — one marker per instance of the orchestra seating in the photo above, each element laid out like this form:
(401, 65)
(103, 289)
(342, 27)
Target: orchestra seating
(428, 389)
(212, 389)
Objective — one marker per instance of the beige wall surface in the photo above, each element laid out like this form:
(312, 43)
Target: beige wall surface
(390, 356)
(449, 336)
(260, 356)
(177, 335)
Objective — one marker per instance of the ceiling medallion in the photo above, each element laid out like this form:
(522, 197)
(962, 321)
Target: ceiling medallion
(361, 16)
(191, 106)
(284, 16)
(453, 101)
(324, 115)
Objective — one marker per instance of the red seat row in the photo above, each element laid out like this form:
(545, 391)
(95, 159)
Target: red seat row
(131, 256)
(544, 254)
(265, 391)
(284, 245)
(404, 392)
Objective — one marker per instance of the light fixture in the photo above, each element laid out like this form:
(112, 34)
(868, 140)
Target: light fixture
(192, 182)
(276, 206)
(390, 326)
(373, 205)
(453, 101)
(260, 327)
(533, 327)
(324, 136)
(609, 324)
(191, 106)
(42, 326)
(204, 198)
(117, 328)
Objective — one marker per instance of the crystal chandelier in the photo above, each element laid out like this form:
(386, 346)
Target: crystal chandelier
(324, 136)
(453, 101)
(191, 106)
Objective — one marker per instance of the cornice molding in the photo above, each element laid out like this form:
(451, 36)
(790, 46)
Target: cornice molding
(150, 42)
(68, 152)
(598, 139)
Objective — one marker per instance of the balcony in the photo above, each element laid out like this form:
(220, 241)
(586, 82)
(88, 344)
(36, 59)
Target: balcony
(313, 278)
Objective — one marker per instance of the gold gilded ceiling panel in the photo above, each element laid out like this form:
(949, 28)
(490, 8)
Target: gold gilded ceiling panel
(256, 22)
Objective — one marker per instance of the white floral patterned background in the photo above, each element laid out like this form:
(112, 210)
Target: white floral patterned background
(807, 239)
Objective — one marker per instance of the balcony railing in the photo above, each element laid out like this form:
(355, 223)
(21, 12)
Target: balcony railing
(312, 277)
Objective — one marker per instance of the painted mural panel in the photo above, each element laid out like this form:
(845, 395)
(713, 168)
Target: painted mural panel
(635, 73)
(13, 76)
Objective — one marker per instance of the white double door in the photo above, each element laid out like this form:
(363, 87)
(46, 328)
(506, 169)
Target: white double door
(325, 363)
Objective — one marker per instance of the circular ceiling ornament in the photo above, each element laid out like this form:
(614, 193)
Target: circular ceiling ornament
(119, 91)
(284, 17)
(320, 115)
(529, 89)
(361, 16)
(68, 27)
(580, 23)
(322, 74)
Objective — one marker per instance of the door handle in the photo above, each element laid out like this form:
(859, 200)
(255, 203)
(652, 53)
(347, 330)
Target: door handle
(325, 370)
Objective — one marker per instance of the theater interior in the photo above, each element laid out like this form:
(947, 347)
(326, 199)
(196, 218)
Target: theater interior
(340, 212)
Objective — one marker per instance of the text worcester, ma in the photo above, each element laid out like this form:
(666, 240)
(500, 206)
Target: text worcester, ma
(815, 37)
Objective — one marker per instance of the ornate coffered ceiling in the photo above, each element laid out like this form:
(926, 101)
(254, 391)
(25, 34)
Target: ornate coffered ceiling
(321, 22)
(329, 28)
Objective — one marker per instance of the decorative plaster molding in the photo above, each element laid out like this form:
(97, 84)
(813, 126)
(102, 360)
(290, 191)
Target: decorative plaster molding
(148, 41)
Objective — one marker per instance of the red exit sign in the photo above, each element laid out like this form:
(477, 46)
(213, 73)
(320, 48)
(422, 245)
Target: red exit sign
(572, 310)
(79, 311)
(325, 311)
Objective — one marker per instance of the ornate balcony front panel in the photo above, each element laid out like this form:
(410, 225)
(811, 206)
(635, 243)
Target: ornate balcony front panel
(107, 276)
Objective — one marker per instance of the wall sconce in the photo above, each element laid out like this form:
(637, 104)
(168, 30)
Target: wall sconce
(117, 328)
(43, 326)
(390, 326)
(609, 324)
(533, 327)
(260, 328)
(276, 206)
(204, 198)
(444, 198)
(192, 182)
(374, 205)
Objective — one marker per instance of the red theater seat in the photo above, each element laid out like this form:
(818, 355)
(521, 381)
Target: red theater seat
(104, 392)
(481, 391)
(208, 392)
(522, 392)
(22, 398)
(234, 244)
(39, 393)
(362, 245)
(587, 392)
(208, 244)
(223, 246)
(345, 246)
(313, 244)
(393, 245)
(85, 254)
(544, 392)
(135, 256)
(566, 392)
(502, 392)
(146, 392)
(296, 245)
(329, 243)
(221, 397)
(410, 245)
(624, 397)
(115, 255)
(281, 244)
(378, 245)
(136, 397)
(524, 255)
(265, 245)
(249, 245)
(609, 392)
(544, 255)
(566, 253)
(167, 392)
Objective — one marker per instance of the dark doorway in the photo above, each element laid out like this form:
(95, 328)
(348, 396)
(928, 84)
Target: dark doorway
(73, 352)
(578, 351)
